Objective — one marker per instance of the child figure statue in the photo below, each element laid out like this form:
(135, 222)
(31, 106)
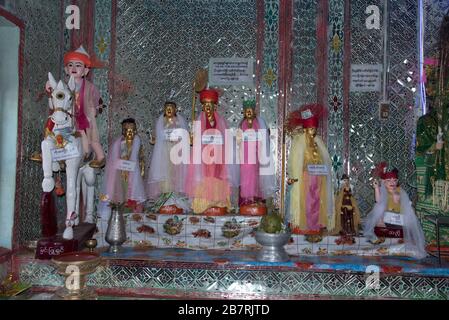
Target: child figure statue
(257, 179)
(166, 176)
(347, 213)
(393, 209)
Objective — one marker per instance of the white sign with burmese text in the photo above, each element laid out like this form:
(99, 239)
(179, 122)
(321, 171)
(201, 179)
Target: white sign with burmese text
(212, 139)
(68, 152)
(317, 169)
(126, 165)
(365, 77)
(231, 71)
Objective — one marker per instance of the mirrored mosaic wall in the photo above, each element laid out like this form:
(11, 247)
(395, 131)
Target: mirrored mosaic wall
(373, 140)
(160, 46)
(42, 53)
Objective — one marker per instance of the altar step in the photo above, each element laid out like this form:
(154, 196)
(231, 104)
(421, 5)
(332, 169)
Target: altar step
(188, 274)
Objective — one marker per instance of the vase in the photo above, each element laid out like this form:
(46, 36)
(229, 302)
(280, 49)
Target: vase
(116, 232)
(272, 246)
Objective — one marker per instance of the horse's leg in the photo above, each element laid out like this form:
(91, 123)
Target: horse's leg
(72, 169)
(48, 184)
(89, 192)
(78, 190)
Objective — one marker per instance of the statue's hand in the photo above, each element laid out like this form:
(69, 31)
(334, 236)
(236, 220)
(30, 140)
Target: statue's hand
(439, 145)
(291, 181)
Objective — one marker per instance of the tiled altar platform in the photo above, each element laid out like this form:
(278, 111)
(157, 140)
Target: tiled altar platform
(217, 274)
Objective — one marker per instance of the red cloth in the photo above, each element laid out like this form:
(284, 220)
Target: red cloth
(82, 123)
(50, 124)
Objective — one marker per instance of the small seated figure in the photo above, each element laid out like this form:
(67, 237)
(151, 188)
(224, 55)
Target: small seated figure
(347, 213)
(257, 179)
(166, 178)
(393, 210)
(210, 180)
(123, 182)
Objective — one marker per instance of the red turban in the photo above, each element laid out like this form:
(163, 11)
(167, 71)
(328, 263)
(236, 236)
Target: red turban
(310, 122)
(73, 55)
(209, 94)
(393, 174)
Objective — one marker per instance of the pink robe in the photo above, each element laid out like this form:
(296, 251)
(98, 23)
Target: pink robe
(85, 114)
(249, 168)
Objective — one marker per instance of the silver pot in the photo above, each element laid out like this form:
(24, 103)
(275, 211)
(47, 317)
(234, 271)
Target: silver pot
(116, 232)
(272, 246)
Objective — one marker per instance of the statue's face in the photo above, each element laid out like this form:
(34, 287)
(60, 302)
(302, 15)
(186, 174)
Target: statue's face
(311, 132)
(391, 184)
(208, 107)
(77, 69)
(129, 130)
(249, 114)
(170, 110)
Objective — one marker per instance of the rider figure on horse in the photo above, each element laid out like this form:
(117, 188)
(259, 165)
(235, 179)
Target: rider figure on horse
(87, 105)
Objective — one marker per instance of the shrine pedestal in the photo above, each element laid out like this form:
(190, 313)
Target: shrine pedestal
(50, 247)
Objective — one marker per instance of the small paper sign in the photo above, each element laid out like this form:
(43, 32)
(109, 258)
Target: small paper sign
(173, 135)
(212, 139)
(126, 165)
(251, 136)
(231, 71)
(68, 152)
(393, 218)
(366, 77)
(317, 169)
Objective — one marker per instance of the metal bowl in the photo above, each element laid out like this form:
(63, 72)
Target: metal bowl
(272, 246)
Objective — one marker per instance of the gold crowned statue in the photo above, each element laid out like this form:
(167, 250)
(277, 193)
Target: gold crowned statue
(166, 178)
(309, 170)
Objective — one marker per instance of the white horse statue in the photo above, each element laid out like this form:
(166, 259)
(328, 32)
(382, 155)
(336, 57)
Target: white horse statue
(62, 143)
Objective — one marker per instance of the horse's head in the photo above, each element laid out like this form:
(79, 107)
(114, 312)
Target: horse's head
(62, 97)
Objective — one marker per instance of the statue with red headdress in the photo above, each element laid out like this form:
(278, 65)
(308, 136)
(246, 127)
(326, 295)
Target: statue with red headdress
(88, 103)
(393, 211)
(211, 173)
(311, 199)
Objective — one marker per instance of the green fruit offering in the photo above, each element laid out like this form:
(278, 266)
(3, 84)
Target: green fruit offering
(271, 223)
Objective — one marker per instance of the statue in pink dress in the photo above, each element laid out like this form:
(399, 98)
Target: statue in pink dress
(166, 177)
(123, 182)
(211, 174)
(257, 179)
